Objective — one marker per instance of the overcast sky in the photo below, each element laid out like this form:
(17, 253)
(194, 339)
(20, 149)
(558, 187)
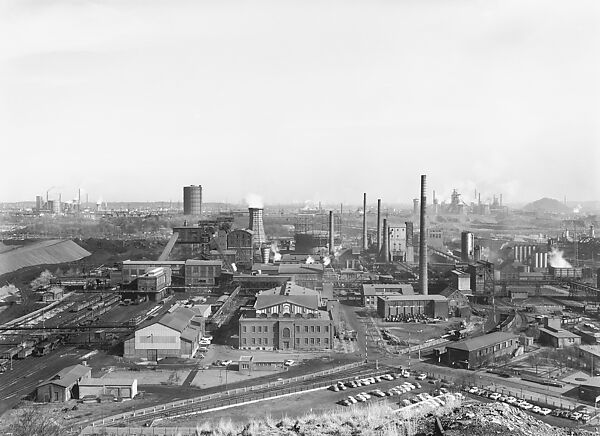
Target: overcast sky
(299, 100)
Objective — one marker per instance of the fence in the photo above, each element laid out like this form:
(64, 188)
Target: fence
(520, 393)
(218, 395)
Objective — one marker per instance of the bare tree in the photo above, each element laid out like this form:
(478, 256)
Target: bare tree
(30, 422)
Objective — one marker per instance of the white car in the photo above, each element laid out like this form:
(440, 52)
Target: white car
(361, 398)
(421, 376)
(495, 396)
(204, 342)
(352, 400)
(511, 400)
(536, 409)
(226, 362)
(207, 338)
(544, 411)
(473, 390)
(289, 362)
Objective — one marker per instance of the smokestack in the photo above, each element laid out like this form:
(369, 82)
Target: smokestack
(79, 200)
(331, 241)
(415, 206)
(423, 238)
(378, 225)
(385, 246)
(256, 225)
(364, 241)
(500, 199)
(479, 200)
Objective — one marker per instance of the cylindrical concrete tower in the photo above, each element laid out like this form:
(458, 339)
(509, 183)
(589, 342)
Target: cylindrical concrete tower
(256, 225)
(192, 200)
(378, 225)
(331, 236)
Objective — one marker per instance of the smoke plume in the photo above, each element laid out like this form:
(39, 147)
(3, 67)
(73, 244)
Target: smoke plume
(254, 200)
(276, 253)
(556, 259)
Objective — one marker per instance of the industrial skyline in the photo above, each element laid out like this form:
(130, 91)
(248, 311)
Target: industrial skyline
(501, 97)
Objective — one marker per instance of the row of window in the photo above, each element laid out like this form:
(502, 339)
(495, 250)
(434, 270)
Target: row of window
(307, 329)
(265, 341)
(493, 348)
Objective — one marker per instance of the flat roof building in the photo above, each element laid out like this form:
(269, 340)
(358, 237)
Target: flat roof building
(370, 292)
(558, 338)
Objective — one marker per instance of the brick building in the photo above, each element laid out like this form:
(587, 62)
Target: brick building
(476, 352)
(287, 317)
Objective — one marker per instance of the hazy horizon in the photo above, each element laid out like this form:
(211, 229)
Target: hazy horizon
(299, 101)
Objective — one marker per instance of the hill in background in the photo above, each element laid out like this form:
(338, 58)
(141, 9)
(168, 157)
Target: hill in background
(547, 205)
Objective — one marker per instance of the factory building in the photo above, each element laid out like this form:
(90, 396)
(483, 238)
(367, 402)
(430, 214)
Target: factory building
(154, 283)
(192, 200)
(399, 245)
(476, 352)
(435, 238)
(118, 387)
(201, 273)
(287, 318)
(175, 334)
(305, 275)
(132, 269)
(370, 292)
(412, 305)
(64, 385)
(240, 240)
(554, 336)
(590, 390)
(482, 277)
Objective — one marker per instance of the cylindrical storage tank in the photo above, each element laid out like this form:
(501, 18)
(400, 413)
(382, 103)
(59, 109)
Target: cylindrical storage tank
(192, 200)
(56, 207)
(265, 251)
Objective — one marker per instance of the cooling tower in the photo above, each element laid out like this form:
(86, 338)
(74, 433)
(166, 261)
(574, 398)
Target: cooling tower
(256, 225)
(423, 238)
(192, 200)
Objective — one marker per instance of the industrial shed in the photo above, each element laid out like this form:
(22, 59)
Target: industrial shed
(412, 305)
(64, 385)
(119, 387)
(175, 334)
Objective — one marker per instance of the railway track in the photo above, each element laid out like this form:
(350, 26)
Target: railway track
(239, 396)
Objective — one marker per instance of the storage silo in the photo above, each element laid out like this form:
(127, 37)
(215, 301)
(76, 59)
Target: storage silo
(192, 200)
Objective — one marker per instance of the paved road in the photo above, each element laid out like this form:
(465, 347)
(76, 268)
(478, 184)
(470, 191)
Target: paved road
(28, 373)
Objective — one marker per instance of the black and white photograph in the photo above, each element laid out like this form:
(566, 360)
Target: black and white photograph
(285, 217)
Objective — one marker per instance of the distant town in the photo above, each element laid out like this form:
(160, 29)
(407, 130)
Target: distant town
(159, 316)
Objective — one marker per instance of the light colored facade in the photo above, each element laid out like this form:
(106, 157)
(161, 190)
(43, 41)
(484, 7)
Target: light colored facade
(287, 318)
(120, 388)
(176, 334)
(202, 272)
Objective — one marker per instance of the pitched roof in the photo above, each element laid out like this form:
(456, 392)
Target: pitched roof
(415, 297)
(558, 333)
(482, 341)
(449, 290)
(288, 293)
(68, 376)
(190, 334)
(179, 319)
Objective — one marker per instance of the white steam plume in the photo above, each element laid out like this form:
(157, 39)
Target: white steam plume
(276, 253)
(254, 200)
(234, 267)
(556, 259)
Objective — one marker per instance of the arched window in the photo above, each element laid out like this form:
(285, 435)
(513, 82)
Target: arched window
(286, 332)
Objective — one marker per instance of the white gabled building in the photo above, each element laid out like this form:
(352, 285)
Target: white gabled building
(175, 334)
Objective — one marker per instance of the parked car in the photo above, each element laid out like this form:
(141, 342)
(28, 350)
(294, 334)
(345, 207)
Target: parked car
(352, 400)
(575, 416)
(406, 402)
(536, 409)
(511, 400)
(421, 376)
(226, 362)
(418, 385)
(207, 338)
(544, 411)
(495, 396)
(289, 362)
